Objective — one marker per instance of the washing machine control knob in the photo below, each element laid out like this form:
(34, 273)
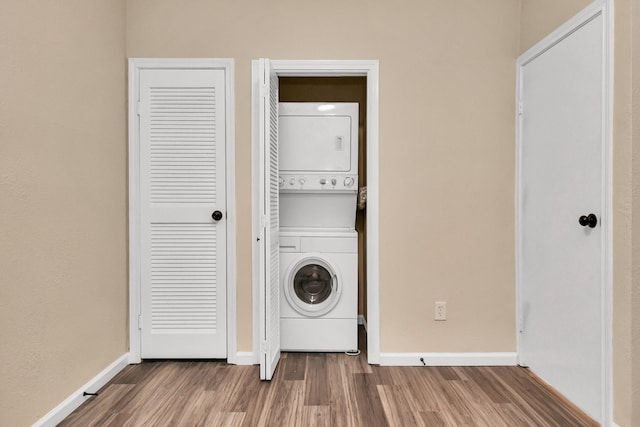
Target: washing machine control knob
(281, 181)
(292, 181)
(334, 181)
(349, 181)
(302, 181)
(323, 181)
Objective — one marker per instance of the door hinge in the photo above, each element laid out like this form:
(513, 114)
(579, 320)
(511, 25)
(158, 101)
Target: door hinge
(140, 321)
(263, 221)
(519, 108)
(520, 324)
(263, 347)
(140, 108)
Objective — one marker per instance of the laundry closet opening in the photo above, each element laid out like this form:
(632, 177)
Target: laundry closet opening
(344, 89)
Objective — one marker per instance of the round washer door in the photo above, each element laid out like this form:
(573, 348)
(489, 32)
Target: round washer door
(312, 285)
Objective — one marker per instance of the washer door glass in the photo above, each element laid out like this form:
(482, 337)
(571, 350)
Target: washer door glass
(313, 284)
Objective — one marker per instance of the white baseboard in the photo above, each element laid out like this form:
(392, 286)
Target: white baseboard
(362, 321)
(71, 403)
(449, 359)
(246, 358)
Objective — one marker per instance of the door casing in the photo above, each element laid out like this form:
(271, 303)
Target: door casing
(135, 65)
(338, 68)
(603, 7)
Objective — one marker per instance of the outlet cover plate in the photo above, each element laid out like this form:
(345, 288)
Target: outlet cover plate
(440, 311)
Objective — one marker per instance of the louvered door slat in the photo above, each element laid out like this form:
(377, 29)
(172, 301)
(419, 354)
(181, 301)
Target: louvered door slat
(274, 220)
(182, 128)
(182, 144)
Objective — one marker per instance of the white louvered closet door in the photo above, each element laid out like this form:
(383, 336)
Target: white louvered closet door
(270, 276)
(182, 182)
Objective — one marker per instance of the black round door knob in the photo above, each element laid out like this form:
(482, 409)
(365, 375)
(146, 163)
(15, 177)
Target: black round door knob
(216, 215)
(588, 220)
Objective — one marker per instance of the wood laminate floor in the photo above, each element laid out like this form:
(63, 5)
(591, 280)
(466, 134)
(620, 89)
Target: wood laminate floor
(324, 389)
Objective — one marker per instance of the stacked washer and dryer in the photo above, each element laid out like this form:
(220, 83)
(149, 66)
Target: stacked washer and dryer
(318, 164)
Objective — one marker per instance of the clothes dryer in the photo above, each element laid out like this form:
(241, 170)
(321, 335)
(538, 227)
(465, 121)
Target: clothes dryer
(318, 165)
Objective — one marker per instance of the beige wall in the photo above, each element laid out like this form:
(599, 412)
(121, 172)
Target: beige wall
(63, 247)
(446, 143)
(622, 201)
(540, 17)
(635, 300)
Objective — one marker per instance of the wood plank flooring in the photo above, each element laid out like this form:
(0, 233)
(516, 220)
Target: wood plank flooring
(324, 389)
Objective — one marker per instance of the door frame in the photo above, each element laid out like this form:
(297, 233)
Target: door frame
(603, 8)
(335, 68)
(135, 66)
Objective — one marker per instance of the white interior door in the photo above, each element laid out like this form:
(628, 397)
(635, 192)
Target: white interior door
(182, 213)
(561, 178)
(269, 241)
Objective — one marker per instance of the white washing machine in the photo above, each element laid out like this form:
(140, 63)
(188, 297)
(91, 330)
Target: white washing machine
(319, 290)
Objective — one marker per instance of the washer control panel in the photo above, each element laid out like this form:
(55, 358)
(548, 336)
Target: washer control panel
(318, 182)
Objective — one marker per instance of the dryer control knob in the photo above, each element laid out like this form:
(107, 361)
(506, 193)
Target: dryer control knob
(302, 181)
(348, 181)
(323, 181)
(334, 181)
(281, 181)
(292, 181)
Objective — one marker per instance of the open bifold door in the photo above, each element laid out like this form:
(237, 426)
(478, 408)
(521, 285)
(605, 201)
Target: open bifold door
(266, 97)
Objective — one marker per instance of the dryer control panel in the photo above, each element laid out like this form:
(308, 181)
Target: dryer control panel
(317, 182)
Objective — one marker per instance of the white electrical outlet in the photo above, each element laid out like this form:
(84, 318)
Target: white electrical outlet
(440, 311)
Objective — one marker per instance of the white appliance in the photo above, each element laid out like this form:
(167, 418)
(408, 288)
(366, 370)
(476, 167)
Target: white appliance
(318, 163)
(318, 137)
(319, 290)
